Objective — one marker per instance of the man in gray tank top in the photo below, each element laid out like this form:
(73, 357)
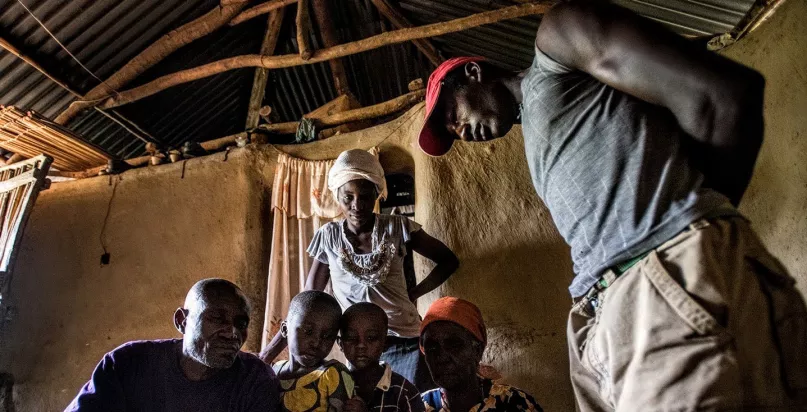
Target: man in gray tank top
(641, 145)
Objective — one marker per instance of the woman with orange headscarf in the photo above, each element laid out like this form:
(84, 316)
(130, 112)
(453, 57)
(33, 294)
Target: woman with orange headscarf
(453, 338)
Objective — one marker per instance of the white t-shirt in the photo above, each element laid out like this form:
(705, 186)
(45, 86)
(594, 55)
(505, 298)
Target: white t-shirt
(388, 291)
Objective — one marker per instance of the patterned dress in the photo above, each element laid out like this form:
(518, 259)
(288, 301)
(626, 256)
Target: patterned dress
(498, 398)
(323, 390)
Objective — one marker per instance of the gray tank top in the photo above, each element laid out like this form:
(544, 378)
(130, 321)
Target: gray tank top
(611, 168)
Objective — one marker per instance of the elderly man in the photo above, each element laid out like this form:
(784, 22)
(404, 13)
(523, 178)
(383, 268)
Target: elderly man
(203, 371)
(453, 338)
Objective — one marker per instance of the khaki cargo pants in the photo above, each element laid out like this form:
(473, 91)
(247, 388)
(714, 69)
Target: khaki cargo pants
(708, 321)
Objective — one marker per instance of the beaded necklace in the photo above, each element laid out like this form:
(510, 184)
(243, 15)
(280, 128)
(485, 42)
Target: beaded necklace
(371, 268)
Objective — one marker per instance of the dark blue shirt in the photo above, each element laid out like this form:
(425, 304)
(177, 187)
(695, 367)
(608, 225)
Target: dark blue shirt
(146, 376)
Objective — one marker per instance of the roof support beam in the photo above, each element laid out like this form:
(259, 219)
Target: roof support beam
(303, 30)
(17, 52)
(262, 75)
(347, 49)
(260, 9)
(33, 63)
(322, 13)
(396, 17)
(364, 113)
(159, 50)
(387, 108)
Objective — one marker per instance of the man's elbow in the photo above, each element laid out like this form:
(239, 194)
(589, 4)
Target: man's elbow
(745, 105)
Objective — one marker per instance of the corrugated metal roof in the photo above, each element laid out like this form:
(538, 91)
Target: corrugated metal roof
(691, 17)
(105, 34)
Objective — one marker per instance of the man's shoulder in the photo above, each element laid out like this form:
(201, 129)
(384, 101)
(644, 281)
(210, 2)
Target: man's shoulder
(254, 364)
(143, 348)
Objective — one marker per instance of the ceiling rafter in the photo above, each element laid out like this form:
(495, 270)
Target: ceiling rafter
(346, 49)
(268, 46)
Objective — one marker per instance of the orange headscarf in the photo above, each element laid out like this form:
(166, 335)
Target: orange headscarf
(458, 311)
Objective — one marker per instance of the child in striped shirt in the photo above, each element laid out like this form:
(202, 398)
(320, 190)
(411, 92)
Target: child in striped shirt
(363, 331)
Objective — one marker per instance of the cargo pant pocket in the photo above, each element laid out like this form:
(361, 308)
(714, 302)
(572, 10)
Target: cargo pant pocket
(681, 302)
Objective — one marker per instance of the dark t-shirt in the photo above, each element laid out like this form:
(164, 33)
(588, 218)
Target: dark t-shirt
(145, 376)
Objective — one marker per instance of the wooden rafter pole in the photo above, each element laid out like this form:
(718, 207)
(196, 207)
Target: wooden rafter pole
(159, 50)
(347, 49)
(304, 30)
(387, 108)
(15, 51)
(262, 75)
(394, 15)
(260, 9)
(365, 113)
(33, 63)
(323, 13)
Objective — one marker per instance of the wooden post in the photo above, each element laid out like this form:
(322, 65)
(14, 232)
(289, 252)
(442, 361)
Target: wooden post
(261, 74)
(347, 49)
(394, 15)
(322, 13)
(303, 30)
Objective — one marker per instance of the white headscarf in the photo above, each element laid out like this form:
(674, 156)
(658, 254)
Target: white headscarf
(353, 165)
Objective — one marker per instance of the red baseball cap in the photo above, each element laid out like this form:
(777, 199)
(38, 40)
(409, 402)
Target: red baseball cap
(436, 141)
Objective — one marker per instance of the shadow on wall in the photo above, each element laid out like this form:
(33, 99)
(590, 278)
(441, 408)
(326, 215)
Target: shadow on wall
(513, 263)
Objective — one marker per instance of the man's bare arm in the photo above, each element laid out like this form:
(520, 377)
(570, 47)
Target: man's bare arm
(715, 100)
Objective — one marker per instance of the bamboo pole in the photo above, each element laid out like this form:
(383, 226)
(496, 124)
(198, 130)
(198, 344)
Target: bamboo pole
(29, 135)
(303, 30)
(347, 49)
(260, 9)
(397, 18)
(159, 50)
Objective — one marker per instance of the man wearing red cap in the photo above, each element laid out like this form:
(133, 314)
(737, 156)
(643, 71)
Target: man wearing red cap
(641, 145)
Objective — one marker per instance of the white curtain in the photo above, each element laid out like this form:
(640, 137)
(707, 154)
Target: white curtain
(301, 203)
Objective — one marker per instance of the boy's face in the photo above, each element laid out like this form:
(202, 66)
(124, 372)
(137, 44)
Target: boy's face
(363, 341)
(311, 336)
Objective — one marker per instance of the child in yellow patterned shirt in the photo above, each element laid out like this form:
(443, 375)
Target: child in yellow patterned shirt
(307, 381)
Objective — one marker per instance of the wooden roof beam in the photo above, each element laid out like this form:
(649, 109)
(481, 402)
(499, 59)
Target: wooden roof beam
(24, 57)
(262, 75)
(259, 10)
(139, 133)
(322, 13)
(396, 17)
(364, 113)
(303, 30)
(347, 49)
(159, 50)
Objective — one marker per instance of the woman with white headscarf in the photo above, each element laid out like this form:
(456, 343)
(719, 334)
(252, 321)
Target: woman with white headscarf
(362, 256)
